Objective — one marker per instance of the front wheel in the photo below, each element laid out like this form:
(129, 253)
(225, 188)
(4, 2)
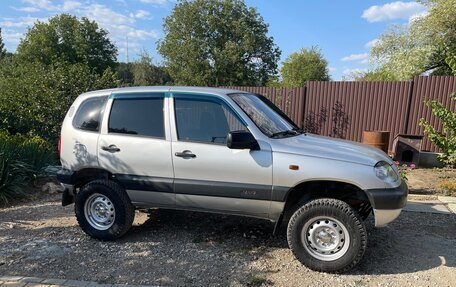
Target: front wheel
(104, 210)
(327, 235)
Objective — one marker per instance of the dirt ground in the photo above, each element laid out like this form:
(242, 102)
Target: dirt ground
(42, 239)
(425, 180)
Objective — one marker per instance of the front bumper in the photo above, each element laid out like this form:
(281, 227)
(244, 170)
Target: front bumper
(387, 203)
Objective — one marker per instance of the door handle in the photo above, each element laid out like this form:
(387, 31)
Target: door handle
(185, 153)
(111, 148)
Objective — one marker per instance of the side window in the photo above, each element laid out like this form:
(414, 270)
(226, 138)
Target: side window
(137, 116)
(88, 116)
(204, 120)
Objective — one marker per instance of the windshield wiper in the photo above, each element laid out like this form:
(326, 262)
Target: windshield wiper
(285, 133)
(299, 130)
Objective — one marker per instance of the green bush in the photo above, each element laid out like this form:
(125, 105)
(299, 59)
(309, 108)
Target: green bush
(14, 178)
(34, 99)
(22, 160)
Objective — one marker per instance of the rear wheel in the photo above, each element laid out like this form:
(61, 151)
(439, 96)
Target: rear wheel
(327, 235)
(103, 210)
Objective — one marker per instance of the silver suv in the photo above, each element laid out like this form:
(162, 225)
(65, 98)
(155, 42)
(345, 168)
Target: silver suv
(223, 151)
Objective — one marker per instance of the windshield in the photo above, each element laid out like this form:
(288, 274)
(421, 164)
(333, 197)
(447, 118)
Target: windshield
(269, 121)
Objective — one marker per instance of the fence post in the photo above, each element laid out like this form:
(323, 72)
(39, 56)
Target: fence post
(304, 100)
(409, 106)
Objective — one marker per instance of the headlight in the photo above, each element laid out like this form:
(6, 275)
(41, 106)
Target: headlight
(385, 172)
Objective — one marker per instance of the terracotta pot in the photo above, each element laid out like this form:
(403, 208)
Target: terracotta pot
(378, 139)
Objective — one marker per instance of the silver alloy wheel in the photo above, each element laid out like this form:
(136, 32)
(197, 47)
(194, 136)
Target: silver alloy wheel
(325, 238)
(99, 211)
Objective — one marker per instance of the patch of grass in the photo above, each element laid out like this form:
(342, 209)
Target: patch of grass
(107, 280)
(447, 187)
(257, 281)
(22, 160)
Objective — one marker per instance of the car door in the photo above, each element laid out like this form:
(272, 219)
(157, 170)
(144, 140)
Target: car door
(209, 175)
(135, 146)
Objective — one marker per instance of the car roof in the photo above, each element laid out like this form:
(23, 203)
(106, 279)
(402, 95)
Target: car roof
(205, 90)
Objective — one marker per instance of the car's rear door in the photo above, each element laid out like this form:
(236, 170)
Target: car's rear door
(209, 175)
(135, 146)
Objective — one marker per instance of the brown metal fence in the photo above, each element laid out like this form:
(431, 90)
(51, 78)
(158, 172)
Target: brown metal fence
(346, 109)
(434, 88)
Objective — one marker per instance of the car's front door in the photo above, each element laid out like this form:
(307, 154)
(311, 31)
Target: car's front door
(209, 175)
(135, 146)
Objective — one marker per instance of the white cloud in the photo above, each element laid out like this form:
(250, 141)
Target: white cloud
(70, 5)
(119, 25)
(11, 37)
(392, 11)
(21, 22)
(105, 16)
(371, 43)
(26, 9)
(38, 5)
(41, 4)
(332, 69)
(362, 58)
(141, 14)
(156, 2)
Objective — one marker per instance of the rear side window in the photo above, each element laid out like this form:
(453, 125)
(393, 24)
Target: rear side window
(88, 116)
(137, 116)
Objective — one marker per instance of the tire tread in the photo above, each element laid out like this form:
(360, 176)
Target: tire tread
(129, 209)
(336, 204)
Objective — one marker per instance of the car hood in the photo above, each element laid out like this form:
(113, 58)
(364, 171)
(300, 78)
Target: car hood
(330, 148)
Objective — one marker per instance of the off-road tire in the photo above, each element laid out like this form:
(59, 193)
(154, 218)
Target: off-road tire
(124, 210)
(335, 209)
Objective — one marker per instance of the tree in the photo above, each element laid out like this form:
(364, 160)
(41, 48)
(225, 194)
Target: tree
(125, 74)
(35, 98)
(145, 73)
(2, 46)
(304, 65)
(65, 38)
(419, 47)
(217, 42)
(446, 140)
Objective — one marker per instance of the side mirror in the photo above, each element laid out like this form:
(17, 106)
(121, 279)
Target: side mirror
(241, 140)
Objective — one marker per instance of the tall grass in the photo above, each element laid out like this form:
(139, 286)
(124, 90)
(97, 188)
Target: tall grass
(22, 160)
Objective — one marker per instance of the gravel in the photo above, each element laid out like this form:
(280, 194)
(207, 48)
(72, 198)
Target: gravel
(42, 239)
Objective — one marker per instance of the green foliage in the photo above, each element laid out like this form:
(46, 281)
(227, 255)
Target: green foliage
(305, 65)
(213, 43)
(125, 74)
(35, 98)
(14, 177)
(67, 39)
(22, 160)
(34, 151)
(446, 141)
(421, 46)
(145, 73)
(142, 73)
(2, 46)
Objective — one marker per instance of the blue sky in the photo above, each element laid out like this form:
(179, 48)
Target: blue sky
(344, 30)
